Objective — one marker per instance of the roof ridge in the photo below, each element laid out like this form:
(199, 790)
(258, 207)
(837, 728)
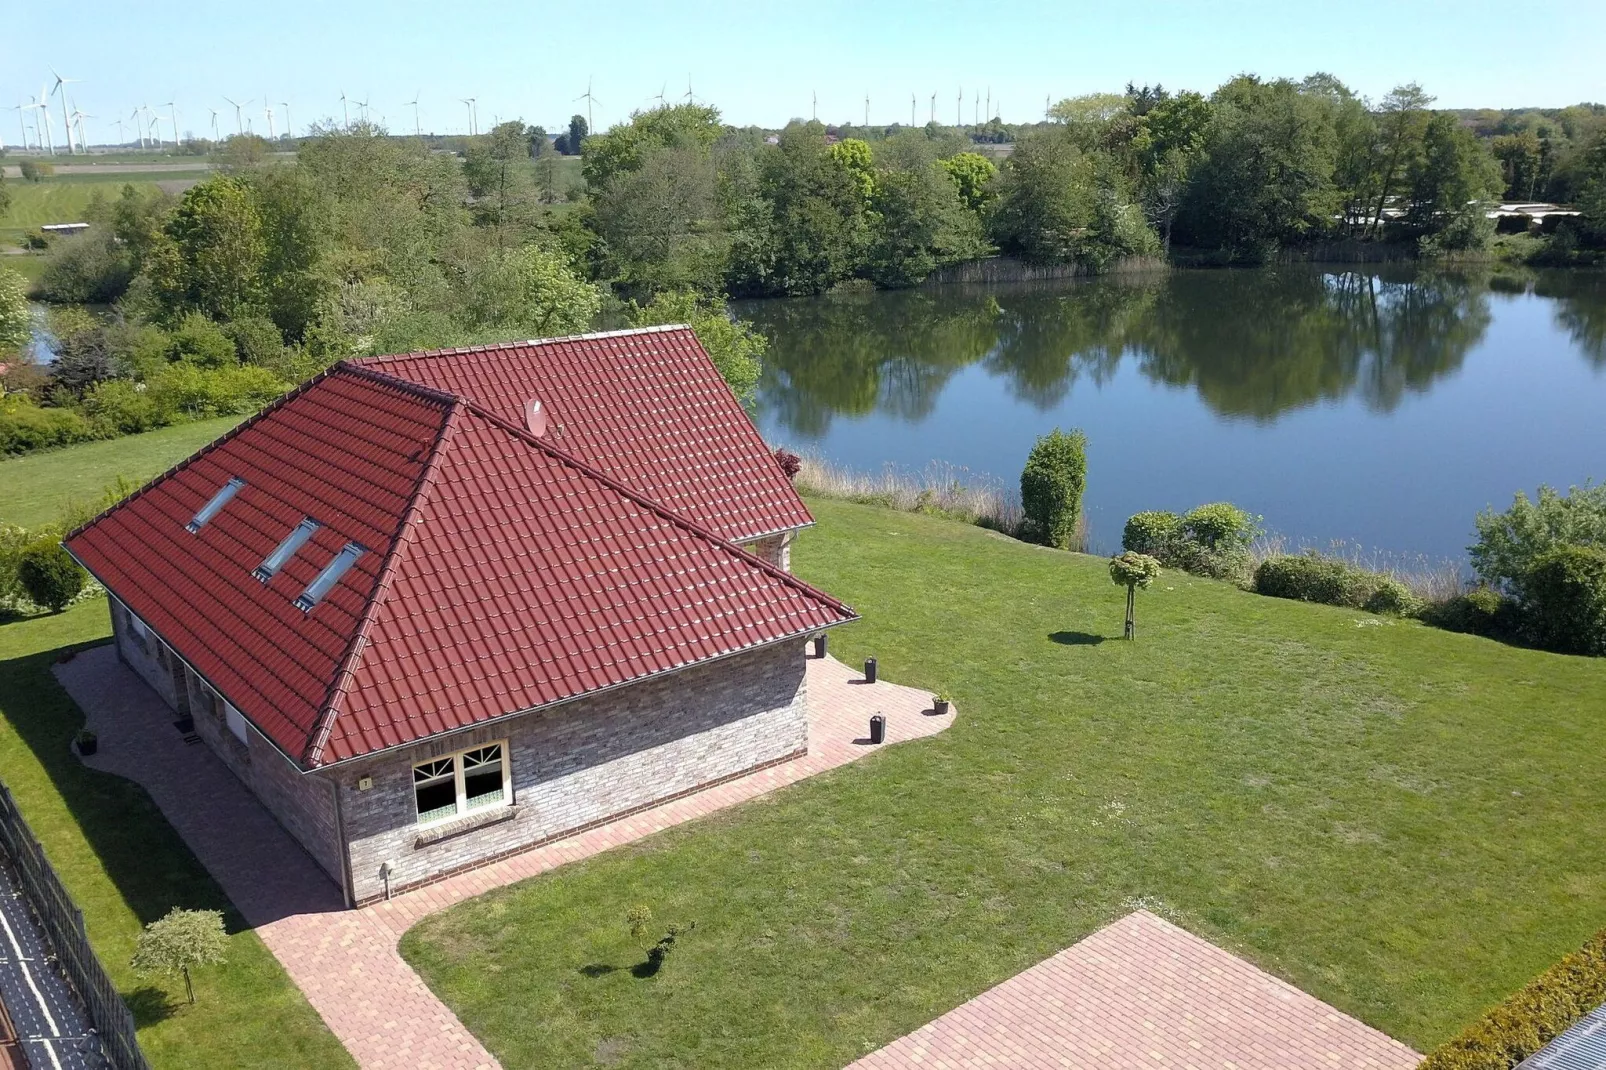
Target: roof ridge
(488, 347)
(655, 507)
(349, 662)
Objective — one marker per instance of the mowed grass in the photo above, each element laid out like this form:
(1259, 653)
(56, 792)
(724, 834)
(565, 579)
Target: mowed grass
(35, 488)
(63, 199)
(1402, 821)
(125, 866)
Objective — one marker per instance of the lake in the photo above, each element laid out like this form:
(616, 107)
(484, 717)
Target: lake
(1379, 405)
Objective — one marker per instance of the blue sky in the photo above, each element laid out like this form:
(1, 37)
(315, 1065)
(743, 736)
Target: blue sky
(760, 63)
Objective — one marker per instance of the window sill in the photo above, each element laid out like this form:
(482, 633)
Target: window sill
(491, 815)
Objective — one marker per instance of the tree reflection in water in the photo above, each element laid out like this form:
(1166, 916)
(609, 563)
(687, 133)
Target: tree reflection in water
(1253, 344)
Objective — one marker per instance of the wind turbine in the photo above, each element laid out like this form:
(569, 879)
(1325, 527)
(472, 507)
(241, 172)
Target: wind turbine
(19, 109)
(815, 114)
(591, 100)
(156, 128)
(867, 109)
(60, 88)
(689, 98)
(172, 111)
(662, 102)
(239, 126)
(44, 123)
(119, 121)
(362, 105)
(911, 109)
(975, 111)
(989, 102)
(344, 110)
(289, 127)
(418, 128)
(472, 126)
(959, 108)
(268, 110)
(933, 107)
(79, 116)
(139, 127)
(215, 135)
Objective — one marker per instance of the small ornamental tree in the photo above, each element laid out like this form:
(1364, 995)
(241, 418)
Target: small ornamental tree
(183, 939)
(1051, 487)
(48, 575)
(1133, 570)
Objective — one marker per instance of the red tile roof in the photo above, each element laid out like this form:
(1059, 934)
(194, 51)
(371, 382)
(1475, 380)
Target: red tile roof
(501, 575)
(647, 407)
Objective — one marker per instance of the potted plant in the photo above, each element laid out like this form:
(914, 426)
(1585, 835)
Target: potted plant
(939, 704)
(85, 739)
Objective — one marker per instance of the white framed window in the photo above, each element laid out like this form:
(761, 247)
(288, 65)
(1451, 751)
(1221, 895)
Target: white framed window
(142, 634)
(236, 722)
(461, 783)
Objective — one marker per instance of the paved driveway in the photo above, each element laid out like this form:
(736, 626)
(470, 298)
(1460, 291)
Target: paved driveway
(1144, 993)
(346, 961)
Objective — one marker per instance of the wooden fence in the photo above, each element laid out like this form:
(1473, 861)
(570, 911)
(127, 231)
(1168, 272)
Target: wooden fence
(63, 925)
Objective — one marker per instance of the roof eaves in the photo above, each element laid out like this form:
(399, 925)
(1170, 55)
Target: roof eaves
(647, 503)
(340, 685)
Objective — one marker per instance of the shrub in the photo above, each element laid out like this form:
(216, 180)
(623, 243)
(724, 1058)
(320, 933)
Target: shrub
(35, 170)
(1564, 601)
(24, 426)
(1535, 1014)
(1051, 487)
(1150, 533)
(199, 341)
(200, 392)
(91, 269)
(48, 575)
(256, 341)
(1220, 527)
(119, 407)
(1511, 543)
(1483, 612)
(1309, 577)
(791, 464)
(13, 540)
(1394, 599)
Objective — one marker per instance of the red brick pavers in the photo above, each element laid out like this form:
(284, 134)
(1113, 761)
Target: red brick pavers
(1143, 993)
(346, 961)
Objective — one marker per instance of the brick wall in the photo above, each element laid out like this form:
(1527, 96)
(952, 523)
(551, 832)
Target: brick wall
(582, 763)
(303, 804)
(145, 658)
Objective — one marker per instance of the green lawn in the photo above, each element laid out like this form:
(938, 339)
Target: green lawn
(63, 199)
(1402, 821)
(125, 866)
(34, 488)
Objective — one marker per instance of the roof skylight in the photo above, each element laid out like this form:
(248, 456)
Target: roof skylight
(330, 576)
(215, 505)
(286, 549)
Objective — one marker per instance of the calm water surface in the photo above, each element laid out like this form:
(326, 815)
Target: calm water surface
(1380, 406)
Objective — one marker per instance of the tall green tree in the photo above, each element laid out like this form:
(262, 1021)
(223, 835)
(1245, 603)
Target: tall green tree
(1449, 181)
(502, 183)
(211, 253)
(626, 146)
(1401, 125)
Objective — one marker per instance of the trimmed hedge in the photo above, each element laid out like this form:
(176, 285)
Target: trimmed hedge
(1051, 488)
(1210, 540)
(1533, 1016)
(1150, 533)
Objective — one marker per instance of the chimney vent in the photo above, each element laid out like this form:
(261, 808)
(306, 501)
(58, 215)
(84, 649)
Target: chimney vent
(535, 417)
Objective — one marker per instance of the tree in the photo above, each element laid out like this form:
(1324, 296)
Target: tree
(501, 182)
(1171, 135)
(182, 940)
(917, 224)
(1402, 124)
(1449, 181)
(1051, 488)
(533, 291)
(16, 320)
(573, 141)
(1520, 164)
(210, 259)
(626, 147)
(1592, 191)
(735, 348)
(973, 174)
(1133, 570)
(1058, 204)
(1510, 543)
(857, 161)
(5, 194)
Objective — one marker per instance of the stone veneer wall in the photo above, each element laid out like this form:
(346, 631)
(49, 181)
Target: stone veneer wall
(581, 763)
(776, 549)
(143, 658)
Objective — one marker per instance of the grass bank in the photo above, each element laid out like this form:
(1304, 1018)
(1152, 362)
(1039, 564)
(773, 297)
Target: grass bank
(34, 488)
(125, 866)
(1393, 818)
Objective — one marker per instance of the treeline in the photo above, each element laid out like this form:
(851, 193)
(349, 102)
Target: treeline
(273, 268)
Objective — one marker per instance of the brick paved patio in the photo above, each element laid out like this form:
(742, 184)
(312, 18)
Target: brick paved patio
(1143, 993)
(346, 961)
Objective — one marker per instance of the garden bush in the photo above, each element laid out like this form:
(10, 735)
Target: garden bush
(1220, 527)
(1393, 598)
(1150, 533)
(13, 540)
(1051, 488)
(1564, 601)
(197, 393)
(1534, 1015)
(121, 407)
(25, 426)
(1511, 543)
(1309, 577)
(1483, 611)
(197, 340)
(48, 575)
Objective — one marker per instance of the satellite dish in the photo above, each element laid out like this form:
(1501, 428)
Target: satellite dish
(535, 417)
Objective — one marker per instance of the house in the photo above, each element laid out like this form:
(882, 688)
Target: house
(439, 608)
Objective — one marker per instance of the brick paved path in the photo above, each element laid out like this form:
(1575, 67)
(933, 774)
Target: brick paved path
(346, 961)
(1143, 993)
